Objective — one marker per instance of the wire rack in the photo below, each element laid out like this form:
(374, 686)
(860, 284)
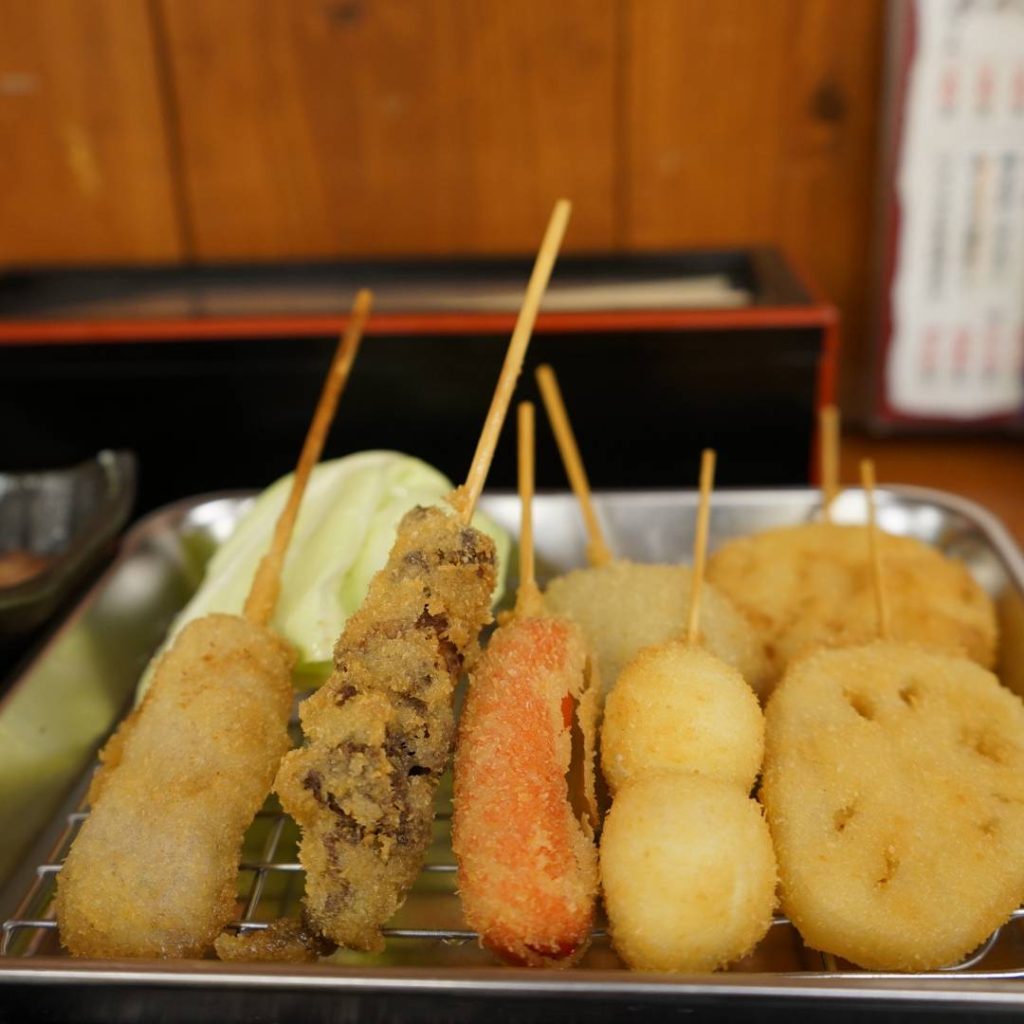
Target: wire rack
(429, 930)
(270, 886)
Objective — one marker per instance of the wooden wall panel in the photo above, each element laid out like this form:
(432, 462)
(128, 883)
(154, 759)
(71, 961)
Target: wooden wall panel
(752, 121)
(139, 130)
(350, 127)
(85, 174)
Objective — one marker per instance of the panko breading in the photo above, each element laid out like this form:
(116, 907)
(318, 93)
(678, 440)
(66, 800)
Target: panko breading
(623, 607)
(379, 732)
(688, 872)
(152, 873)
(810, 586)
(285, 940)
(677, 706)
(894, 788)
(527, 864)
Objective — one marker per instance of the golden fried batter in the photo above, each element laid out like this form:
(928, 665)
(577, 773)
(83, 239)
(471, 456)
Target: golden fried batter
(677, 706)
(688, 872)
(810, 586)
(379, 732)
(153, 871)
(894, 789)
(282, 941)
(623, 607)
(527, 863)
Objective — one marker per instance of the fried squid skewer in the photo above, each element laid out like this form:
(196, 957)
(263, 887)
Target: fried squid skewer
(527, 864)
(379, 732)
(153, 871)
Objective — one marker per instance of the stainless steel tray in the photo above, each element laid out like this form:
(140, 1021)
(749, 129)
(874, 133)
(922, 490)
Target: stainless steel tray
(66, 701)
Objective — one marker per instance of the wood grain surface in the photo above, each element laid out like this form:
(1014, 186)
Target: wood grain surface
(350, 127)
(758, 122)
(987, 470)
(85, 173)
(277, 129)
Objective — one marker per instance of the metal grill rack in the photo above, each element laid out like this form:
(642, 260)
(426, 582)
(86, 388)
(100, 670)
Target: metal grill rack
(429, 930)
(270, 886)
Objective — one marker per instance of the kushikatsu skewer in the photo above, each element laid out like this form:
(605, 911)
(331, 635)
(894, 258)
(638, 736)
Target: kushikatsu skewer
(804, 586)
(828, 453)
(624, 606)
(466, 497)
(266, 584)
(877, 755)
(598, 552)
(682, 742)
(867, 476)
(379, 733)
(153, 871)
(527, 865)
(700, 543)
(708, 719)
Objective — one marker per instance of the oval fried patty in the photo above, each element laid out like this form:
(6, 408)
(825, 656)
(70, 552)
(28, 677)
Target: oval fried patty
(688, 872)
(810, 586)
(894, 789)
(676, 706)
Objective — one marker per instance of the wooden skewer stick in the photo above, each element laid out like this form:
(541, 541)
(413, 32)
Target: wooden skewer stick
(598, 552)
(465, 498)
(266, 584)
(867, 477)
(528, 600)
(700, 541)
(828, 442)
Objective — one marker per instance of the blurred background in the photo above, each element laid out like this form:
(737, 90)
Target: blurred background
(189, 136)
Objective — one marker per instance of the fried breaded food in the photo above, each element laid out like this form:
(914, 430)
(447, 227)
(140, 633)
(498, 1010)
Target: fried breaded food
(624, 606)
(152, 872)
(379, 732)
(810, 586)
(894, 787)
(677, 706)
(527, 865)
(688, 872)
(285, 940)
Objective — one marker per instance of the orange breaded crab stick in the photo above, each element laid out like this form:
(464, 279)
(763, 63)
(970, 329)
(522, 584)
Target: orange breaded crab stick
(527, 865)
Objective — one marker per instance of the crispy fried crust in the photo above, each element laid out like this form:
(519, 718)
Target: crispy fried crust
(894, 789)
(688, 872)
(527, 865)
(810, 586)
(677, 706)
(379, 732)
(285, 940)
(624, 606)
(152, 872)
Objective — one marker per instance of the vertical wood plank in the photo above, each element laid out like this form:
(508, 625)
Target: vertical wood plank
(84, 168)
(350, 127)
(757, 122)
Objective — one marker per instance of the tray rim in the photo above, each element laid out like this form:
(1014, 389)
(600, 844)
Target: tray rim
(940, 988)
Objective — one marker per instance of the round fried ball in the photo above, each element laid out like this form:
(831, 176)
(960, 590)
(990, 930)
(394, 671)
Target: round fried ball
(810, 586)
(677, 706)
(688, 873)
(894, 788)
(623, 607)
